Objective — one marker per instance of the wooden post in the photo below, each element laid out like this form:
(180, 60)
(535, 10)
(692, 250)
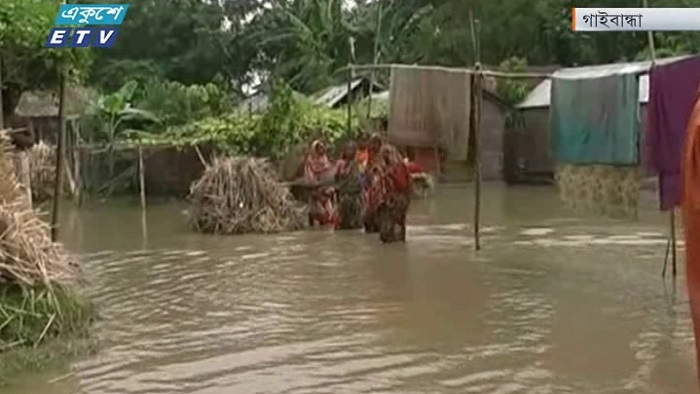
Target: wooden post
(375, 58)
(142, 179)
(673, 242)
(476, 124)
(349, 99)
(76, 164)
(2, 112)
(58, 182)
(672, 211)
(476, 97)
(142, 187)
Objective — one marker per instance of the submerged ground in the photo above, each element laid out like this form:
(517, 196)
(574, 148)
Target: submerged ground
(552, 304)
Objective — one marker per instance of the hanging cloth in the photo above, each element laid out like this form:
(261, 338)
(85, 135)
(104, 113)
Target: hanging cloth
(672, 93)
(429, 107)
(595, 121)
(600, 189)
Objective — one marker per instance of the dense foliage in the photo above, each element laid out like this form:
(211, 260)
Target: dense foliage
(306, 42)
(287, 122)
(191, 61)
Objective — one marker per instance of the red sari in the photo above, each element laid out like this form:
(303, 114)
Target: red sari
(393, 196)
(690, 170)
(371, 191)
(322, 198)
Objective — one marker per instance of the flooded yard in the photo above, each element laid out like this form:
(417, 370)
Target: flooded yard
(554, 303)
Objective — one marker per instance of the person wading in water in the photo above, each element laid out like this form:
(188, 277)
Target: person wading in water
(349, 189)
(370, 181)
(321, 198)
(394, 194)
(690, 206)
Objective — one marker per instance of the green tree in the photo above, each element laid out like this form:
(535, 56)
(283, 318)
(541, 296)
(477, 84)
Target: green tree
(25, 63)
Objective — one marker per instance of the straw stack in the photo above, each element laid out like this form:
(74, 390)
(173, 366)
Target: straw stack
(239, 195)
(27, 254)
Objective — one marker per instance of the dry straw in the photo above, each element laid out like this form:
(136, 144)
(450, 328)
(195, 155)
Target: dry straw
(28, 257)
(42, 163)
(239, 195)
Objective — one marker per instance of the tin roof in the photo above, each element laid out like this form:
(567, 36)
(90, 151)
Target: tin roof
(332, 95)
(540, 95)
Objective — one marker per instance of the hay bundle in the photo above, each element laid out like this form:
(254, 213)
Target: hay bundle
(42, 162)
(27, 254)
(239, 195)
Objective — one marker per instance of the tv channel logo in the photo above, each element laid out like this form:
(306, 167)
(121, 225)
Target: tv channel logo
(104, 17)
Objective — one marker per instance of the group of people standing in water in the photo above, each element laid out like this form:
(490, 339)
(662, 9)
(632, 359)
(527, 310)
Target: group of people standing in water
(368, 186)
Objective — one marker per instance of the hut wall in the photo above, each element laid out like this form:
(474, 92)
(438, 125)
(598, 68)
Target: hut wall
(171, 171)
(533, 153)
(492, 159)
(492, 129)
(529, 149)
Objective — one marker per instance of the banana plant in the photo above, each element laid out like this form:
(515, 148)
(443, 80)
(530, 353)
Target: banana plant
(113, 111)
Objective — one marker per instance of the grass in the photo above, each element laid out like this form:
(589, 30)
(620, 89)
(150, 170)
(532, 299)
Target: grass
(42, 327)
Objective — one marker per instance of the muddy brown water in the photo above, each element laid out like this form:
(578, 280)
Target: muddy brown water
(554, 303)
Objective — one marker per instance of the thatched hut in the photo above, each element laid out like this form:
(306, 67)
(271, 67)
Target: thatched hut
(40, 109)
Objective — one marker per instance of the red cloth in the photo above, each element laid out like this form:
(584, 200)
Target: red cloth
(414, 168)
(400, 177)
(362, 156)
(690, 173)
(322, 202)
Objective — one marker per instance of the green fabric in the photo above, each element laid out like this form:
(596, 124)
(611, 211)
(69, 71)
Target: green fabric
(595, 121)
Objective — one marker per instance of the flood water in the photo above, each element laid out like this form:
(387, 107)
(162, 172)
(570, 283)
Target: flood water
(552, 304)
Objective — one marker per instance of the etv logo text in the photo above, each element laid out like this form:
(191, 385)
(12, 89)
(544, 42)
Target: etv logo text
(86, 14)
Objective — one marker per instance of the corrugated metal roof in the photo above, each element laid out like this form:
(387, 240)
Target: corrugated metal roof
(332, 95)
(540, 95)
(605, 70)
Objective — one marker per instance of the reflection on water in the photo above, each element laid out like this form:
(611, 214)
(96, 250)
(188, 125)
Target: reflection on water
(552, 304)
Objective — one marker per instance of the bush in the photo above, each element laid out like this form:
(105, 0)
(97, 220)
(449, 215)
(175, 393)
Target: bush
(288, 122)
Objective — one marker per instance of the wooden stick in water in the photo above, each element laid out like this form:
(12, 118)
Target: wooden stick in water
(142, 179)
(476, 88)
(142, 187)
(673, 242)
(58, 182)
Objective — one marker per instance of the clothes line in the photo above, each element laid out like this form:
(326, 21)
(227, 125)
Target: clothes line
(359, 67)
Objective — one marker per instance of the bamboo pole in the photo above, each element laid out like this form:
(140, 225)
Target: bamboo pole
(475, 116)
(672, 211)
(375, 58)
(58, 182)
(349, 99)
(476, 106)
(2, 112)
(486, 73)
(142, 192)
(76, 165)
(142, 180)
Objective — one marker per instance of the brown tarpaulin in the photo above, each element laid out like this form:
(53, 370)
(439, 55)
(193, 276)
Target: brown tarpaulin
(430, 107)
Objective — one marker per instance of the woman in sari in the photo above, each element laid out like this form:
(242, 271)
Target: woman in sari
(372, 184)
(321, 198)
(349, 189)
(394, 195)
(690, 169)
